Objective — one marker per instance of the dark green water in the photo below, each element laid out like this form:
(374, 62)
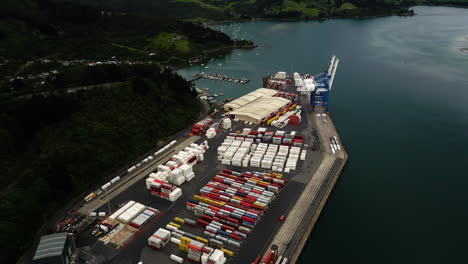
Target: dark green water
(400, 103)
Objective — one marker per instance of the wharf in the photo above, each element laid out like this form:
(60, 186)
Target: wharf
(298, 225)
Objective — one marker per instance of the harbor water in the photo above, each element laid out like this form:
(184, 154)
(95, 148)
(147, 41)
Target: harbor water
(400, 103)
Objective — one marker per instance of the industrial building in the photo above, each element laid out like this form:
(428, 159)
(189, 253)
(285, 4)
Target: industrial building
(55, 249)
(248, 98)
(255, 106)
(260, 108)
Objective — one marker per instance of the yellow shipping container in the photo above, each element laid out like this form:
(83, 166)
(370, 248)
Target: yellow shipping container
(183, 248)
(185, 240)
(261, 205)
(219, 203)
(228, 252)
(174, 224)
(179, 220)
(203, 240)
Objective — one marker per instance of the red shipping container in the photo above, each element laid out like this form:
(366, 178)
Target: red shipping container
(248, 219)
(235, 237)
(202, 223)
(193, 247)
(207, 217)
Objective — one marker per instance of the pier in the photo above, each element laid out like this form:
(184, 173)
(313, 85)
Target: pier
(219, 77)
(293, 234)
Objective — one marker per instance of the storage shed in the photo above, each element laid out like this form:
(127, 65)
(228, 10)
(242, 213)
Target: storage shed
(55, 249)
(260, 108)
(248, 98)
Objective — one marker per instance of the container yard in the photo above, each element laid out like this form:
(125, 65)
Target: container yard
(247, 186)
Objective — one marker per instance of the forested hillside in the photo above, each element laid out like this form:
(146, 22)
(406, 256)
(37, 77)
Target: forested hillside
(58, 145)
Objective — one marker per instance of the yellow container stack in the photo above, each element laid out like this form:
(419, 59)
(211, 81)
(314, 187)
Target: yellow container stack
(184, 242)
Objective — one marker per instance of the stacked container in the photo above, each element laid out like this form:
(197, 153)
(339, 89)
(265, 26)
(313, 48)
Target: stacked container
(176, 177)
(159, 239)
(217, 257)
(231, 204)
(195, 250)
(163, 189)
(303, 154)
(201, 126)
(293, 158)
(131, 213)
(142, 218)
(187, 171)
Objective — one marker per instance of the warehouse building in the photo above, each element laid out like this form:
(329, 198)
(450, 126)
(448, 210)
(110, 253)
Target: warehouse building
(260, 108)
(248, 98)
(55, 249)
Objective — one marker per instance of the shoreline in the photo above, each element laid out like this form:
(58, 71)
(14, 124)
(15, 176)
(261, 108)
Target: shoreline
(293, 19)
(209, 54)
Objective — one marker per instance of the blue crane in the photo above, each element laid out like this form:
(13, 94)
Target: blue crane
(323, 84)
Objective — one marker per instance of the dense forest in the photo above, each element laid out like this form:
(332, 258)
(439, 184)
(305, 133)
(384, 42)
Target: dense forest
(57, 145)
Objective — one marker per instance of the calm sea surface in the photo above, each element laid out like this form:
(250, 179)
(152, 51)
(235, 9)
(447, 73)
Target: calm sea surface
(400, 103)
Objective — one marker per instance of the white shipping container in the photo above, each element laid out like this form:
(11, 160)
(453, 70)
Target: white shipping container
(121, 210)
(131, 212)
(105, 186)
(115, 179)
(177, 258)
(176, 194)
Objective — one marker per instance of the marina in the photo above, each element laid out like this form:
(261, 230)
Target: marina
(219, 77)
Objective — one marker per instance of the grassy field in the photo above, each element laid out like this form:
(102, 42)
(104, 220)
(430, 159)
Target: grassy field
(200, 3)
(347, 6)
(167, 41)
(290, 5)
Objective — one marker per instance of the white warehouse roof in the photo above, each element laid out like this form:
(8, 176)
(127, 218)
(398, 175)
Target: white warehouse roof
(260, 108)
(250, 97)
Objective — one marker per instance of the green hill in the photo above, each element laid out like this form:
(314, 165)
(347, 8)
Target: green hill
(211, 10)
